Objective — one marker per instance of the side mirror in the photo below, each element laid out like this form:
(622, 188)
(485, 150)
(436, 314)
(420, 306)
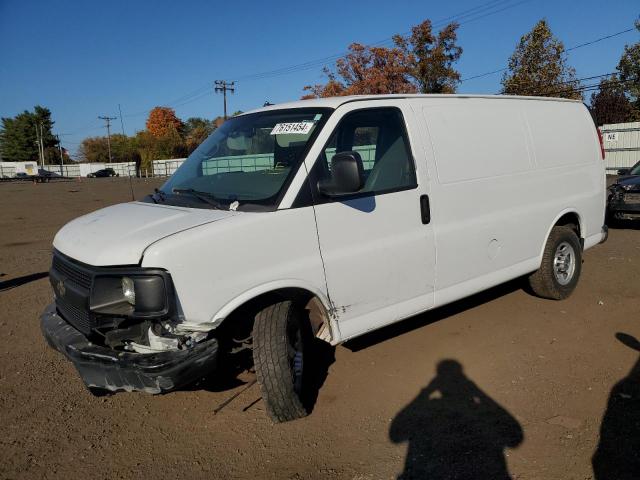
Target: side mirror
(346, 175)
(623, 171)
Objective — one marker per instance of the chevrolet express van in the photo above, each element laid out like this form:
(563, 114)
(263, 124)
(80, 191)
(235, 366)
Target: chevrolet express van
(323, 220)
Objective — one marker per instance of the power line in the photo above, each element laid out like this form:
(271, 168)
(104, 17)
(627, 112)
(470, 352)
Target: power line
(578, 88)
(476, 13)
(566, 82)
(316, 63)
(581, 45)
(183, 100)
(600, 39)
(584, 88)
(93, 126)
(486, 74)
(191, 100)
(191, 94)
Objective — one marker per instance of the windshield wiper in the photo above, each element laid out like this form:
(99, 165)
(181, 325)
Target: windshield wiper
(157, 195)
(203, 196)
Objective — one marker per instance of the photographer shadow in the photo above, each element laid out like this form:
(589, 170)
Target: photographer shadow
(454, 430)
(618, 453)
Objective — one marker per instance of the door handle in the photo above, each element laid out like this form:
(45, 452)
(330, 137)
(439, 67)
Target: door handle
(425, 210)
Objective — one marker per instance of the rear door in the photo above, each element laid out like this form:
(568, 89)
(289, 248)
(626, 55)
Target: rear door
(377, 245)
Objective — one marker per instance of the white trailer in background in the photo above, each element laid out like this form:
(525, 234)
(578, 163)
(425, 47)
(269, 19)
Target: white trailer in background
(165, 168)
(621, 145)
(12, 169)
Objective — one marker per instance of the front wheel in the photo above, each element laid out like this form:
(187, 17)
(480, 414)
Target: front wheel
(281, 337)
(561, 265)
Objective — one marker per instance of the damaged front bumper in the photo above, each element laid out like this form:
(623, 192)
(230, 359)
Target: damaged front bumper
(620, 206)
(623, 202)
(104, 368)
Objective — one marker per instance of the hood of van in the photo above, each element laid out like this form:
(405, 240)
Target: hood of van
(119, 235)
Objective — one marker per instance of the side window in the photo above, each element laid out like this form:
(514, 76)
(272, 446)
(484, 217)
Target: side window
(378, 136)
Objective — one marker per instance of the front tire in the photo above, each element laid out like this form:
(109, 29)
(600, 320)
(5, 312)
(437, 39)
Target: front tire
(281, 337)
(561, 265)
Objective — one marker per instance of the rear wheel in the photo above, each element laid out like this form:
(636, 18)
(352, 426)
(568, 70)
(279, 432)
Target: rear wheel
(281, 338)
(561, 265)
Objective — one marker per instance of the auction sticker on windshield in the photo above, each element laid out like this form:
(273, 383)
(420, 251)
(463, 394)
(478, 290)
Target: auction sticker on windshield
(298, 127)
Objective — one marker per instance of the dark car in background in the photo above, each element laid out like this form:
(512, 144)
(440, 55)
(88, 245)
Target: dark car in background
(105, 172)
(45, 176)
(47, 173)
(623, 201)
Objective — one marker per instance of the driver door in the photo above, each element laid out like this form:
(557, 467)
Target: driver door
(377, 248)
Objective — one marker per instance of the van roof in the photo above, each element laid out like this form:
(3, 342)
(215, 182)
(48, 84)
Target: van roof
(335, 102)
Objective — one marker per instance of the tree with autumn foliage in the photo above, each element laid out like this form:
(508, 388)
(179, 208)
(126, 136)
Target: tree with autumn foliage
(333, 87)
(421, 62)
(431, 57)
(538, 67)
(96, 149)
(629, 72)
(196, 130)
(162, 121)
(609, 104)
(366, 71)
(618, 97)
(163, 138)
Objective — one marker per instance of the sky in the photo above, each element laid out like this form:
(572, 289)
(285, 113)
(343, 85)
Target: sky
(82, 59)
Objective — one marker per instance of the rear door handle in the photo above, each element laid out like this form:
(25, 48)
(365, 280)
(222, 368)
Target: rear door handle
(425, 211)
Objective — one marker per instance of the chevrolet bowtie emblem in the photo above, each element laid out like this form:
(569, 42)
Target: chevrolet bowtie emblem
(61, 288)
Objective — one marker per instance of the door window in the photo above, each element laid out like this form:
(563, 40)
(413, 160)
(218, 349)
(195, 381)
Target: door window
(379, 138)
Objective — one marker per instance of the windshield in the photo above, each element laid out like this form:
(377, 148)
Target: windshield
(635, 170)
(250, 159)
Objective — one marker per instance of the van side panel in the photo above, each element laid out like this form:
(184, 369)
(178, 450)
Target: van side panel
(505, 169)
(567, 157)
(485, 142)
(484, 187)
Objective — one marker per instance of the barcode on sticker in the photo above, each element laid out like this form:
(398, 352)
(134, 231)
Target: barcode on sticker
(298, 127)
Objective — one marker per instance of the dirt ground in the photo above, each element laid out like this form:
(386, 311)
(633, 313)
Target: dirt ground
(500, 384)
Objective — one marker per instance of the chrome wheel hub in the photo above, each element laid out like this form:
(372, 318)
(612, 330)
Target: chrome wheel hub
(564, 263)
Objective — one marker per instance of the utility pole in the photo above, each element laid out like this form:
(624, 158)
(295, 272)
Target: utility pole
(61, 156)
(108, 121)
(121, 122)
(223, 86)
(40, 144)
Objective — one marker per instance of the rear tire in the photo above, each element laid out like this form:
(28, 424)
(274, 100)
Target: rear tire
(561, 265)
(281, 337)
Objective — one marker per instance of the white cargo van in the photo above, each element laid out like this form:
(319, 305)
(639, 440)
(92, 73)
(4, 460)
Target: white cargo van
(325, 219)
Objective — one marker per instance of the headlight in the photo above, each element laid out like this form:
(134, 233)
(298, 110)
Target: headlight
(627, 187)
(129, 290)
(131, 295)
